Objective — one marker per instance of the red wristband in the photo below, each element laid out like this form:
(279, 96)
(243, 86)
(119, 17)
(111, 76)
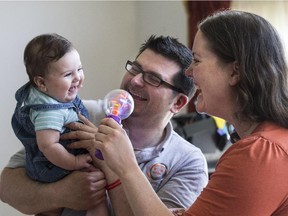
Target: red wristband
(113, 185)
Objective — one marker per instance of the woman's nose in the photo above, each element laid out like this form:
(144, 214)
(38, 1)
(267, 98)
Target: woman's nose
(189, 71)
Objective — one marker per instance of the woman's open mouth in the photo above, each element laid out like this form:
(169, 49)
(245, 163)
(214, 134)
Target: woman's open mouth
(197, 91)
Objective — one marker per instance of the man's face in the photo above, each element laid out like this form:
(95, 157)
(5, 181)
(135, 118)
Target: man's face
(149, 100)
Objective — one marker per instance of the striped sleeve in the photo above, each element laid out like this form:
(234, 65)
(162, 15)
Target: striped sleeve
(51, 119)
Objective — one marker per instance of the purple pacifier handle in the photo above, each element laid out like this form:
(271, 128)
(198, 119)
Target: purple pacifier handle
(116, 118)
(99, 155)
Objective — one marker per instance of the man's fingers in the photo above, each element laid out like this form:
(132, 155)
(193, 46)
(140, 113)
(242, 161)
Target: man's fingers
(82, 127)
(86, 144)
(82, 135)
(85, 120)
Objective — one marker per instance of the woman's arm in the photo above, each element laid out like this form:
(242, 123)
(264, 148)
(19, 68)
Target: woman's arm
(85, 133)
(118, 153)
(135, 191)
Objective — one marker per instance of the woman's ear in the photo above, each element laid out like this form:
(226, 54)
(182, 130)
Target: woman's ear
(40, 83)
(179, 102)
(235, 74)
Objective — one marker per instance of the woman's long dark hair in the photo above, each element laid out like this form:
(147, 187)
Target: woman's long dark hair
(255, 45)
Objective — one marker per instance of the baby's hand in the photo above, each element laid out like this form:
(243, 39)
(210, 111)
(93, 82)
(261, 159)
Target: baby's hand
(82, 161)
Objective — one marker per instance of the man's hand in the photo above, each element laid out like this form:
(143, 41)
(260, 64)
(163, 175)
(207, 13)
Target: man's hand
(85, 133)
(81, 190)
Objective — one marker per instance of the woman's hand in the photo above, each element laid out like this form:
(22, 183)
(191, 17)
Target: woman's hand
(115, 146)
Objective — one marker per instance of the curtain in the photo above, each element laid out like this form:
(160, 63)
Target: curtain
(197, 10)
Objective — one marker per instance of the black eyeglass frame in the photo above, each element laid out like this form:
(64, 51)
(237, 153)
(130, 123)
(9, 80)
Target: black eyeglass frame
(161, 82)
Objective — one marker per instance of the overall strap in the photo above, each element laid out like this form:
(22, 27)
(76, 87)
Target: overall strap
(22, 93)
(39, 107)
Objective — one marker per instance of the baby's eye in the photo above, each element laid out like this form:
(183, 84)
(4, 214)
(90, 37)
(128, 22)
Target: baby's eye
(68, 74)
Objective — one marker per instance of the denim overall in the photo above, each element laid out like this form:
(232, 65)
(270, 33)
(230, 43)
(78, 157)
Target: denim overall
(37, 165)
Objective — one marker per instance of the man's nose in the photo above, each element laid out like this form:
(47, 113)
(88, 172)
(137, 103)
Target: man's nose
(138, 79)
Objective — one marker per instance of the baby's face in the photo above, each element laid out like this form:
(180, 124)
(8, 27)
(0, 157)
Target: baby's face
(65, 77)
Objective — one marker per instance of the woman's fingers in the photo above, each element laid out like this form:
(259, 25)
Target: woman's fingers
(110, 122)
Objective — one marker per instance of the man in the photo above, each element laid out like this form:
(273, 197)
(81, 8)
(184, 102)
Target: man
(176, 169)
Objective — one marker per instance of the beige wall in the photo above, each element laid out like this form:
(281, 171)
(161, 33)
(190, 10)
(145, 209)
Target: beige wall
(106, 34)
(273, 11)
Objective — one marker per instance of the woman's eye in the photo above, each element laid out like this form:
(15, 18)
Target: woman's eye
(194, 60)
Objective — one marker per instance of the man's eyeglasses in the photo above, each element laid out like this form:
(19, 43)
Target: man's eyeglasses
(149, 77)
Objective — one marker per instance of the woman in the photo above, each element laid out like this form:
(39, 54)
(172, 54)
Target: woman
(240, 72)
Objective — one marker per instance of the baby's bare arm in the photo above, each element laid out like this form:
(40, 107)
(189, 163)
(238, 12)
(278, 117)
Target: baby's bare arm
(48, 143)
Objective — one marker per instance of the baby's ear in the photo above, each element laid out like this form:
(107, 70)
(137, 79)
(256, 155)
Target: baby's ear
(40, 83)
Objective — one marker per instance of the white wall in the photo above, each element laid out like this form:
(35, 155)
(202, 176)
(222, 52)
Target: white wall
(105, 33)
(273, 11)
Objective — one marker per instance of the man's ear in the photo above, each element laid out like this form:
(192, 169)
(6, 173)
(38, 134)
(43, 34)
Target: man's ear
(179, 102)
(40, 83)
(235, 74)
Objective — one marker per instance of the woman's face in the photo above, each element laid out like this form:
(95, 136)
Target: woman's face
(212, 79)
